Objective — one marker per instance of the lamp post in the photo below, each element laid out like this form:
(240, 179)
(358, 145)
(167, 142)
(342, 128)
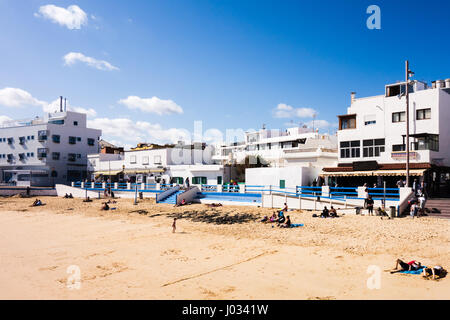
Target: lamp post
(408, 73)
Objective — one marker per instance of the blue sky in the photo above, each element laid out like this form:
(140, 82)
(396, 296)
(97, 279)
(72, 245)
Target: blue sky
(226, 63)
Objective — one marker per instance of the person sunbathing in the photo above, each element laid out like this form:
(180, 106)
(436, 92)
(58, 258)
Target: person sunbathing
(287, 224)
(436, 271)
(333, 212)
(273, 218)
(105, 206)
(410, 266)
(37, 203)
(325, 213)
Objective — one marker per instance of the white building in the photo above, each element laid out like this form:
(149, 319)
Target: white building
(169, 165)
(293, 147)
(45, 151)
(372, 135)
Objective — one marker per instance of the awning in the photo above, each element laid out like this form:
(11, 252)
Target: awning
(156, 170)
(412, 172)
(107, 173)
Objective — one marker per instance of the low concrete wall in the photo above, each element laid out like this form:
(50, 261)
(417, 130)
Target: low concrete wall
(62, 189)
(12, 191)
(310, 203)
(188, 196)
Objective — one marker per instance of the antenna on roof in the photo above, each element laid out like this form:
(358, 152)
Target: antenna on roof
(65, 104)
(60, 103)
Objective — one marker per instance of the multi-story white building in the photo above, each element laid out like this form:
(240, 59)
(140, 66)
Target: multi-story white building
(48, 150)
(169, 165)
(297, 146)
(372, 135)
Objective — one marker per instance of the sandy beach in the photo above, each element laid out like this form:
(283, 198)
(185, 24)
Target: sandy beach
(216, 253)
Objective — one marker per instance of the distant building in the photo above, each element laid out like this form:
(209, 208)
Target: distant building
(171, 164)
(45, 151)
(371, 137)
(106, 147)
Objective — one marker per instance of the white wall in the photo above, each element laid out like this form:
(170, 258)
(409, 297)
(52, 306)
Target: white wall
(293, 176)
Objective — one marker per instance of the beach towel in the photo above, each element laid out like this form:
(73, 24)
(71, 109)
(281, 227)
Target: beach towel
(418, 271)
(112, 208)
(295, 225)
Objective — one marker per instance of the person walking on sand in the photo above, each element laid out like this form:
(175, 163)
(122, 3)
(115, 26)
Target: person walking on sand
(187, 183)
(174, 225)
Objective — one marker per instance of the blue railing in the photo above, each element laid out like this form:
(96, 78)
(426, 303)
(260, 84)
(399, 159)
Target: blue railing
(337, 193)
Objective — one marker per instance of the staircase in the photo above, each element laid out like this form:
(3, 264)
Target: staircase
(439, 208)
(172, 199)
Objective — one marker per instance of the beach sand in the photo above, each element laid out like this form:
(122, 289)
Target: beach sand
(131, 254)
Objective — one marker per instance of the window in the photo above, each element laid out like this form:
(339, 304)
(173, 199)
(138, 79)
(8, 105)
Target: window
(177, 180)
(145, 160)
(373, 147)
(199, 180)
(42, 135)
(399, 116)
(42, 153)
(10, 140)
(55, 155)
(22, 156)
(72, 157)
(22, 140)
(350, 149)
(423, 114)
(32, 137)
(75, 123)
(56, 121)
(90, 141)
(157, 160)
(398, 147)
(56, 138)
(78, 138)
(10, 157)
(282, 184)
(72, 140)
(219, 180)
(132, 159)
(370, 119)
(429, 142)
(31, 154)
(347, 122)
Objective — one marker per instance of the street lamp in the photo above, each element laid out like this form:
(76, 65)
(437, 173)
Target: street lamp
(408, 74)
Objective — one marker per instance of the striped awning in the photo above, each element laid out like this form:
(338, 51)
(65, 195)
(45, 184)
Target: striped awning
(107, 173)
(412, 172)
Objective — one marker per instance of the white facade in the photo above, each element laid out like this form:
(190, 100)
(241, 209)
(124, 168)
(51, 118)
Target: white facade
(285, 177)
(382, 119)
(155, 165)
(47, 150)
(293, 147)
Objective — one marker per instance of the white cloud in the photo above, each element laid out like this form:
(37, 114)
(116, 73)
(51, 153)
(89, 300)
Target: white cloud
(321, 124)
(129, 132)
(4, 119)
(73, 17)
(16, 98)
(286, 111)
(72, 57)
(152, 105)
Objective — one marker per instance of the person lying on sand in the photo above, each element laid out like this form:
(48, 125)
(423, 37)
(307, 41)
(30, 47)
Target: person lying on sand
(37, 203)
(183, 202)
(274, 217)
(436, 271)
(105, 206)
(214, 204)
(410, 266)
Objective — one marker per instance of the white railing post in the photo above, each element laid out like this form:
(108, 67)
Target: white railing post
(129, 185)
(103, 185)
(73, 184)
(300, 202)
(219, 188)
(241, 188)
(158, 186)
(142, 186)
(345, 199)
(315, 201)
(271, 201)
(116, 185)
(82, 184)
